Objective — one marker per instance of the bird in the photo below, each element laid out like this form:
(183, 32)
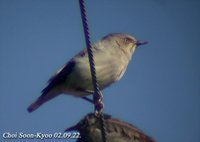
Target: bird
(112, 55)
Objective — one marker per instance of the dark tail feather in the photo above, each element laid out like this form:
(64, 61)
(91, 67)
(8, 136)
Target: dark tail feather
(46, 96)
(35, 105)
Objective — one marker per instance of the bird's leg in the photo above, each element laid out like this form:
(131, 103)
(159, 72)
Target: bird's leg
(88, 92)
(88, 99)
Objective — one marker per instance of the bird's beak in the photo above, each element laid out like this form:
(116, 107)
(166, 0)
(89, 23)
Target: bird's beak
(140, 42)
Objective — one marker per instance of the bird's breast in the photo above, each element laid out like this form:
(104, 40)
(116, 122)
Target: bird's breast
(109, 69)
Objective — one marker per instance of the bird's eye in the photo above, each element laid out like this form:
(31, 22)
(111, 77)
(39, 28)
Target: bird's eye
(127, 40)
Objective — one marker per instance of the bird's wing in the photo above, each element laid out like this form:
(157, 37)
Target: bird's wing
(60, 77)
(62, 74)
(50, 91)
(55, 83)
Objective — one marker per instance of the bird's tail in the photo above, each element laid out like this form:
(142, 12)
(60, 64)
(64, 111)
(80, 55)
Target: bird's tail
(46, 96)
(35, 105)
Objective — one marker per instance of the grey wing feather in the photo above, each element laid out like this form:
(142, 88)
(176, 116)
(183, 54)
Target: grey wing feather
(56, 80)
(60, 77)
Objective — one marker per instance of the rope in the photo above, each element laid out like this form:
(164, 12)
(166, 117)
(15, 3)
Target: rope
(97, 97)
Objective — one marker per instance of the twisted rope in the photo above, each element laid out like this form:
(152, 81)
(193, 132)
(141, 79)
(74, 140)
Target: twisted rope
(97, 96)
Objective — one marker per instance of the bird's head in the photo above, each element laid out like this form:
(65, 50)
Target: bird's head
(126, 43)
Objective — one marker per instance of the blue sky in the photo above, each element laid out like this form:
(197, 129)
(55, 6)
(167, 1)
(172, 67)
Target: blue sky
(159, 92)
